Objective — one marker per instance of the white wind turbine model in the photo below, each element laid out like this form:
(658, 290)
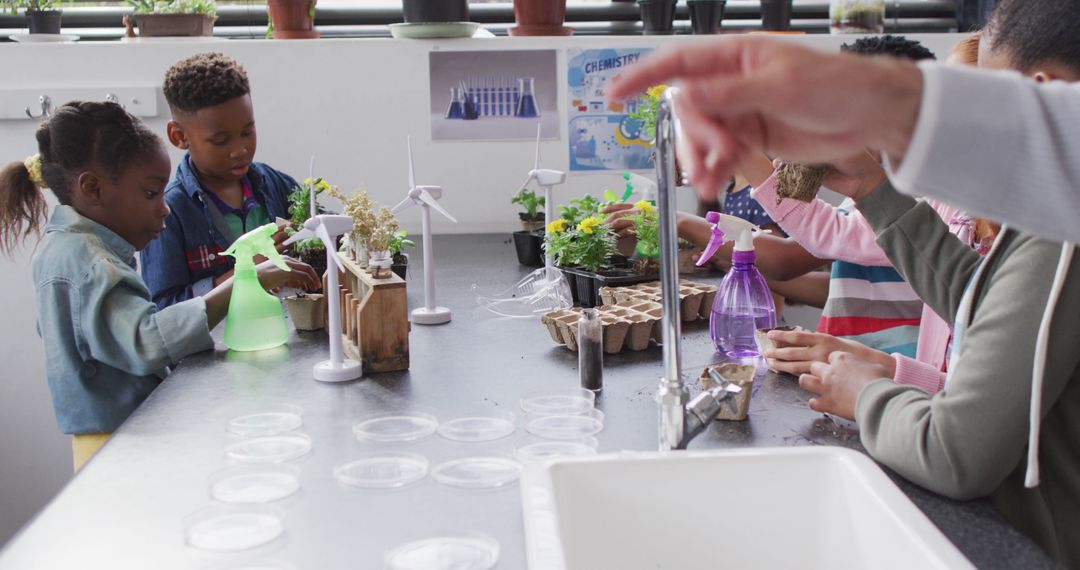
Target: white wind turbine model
(426, 197)
(327, 227)
(542, 290)
(545, 178)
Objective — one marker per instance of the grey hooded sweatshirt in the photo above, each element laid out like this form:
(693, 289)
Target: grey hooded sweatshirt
(971, 439)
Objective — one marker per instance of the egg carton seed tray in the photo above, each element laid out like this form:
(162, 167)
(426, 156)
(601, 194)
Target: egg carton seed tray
(625, 327)
(695, 299)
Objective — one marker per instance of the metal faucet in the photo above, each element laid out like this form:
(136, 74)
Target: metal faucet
(680, 419)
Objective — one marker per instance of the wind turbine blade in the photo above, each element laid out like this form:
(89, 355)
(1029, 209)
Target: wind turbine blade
(331, 247)
(311, 189)
(300, 235)
(536, 164)
(402, 205)
(435, 204)
(527, 181)
(412, 175)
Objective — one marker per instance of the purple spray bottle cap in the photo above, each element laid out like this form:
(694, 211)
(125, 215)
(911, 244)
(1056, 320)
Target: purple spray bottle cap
(715, 241)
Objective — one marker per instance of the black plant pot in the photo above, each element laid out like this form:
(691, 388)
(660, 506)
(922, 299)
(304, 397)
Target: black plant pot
(776, 15)
(419, 11)
(530, 247)
(585, 285)
(400, 266)
(44, 21)
(706, 15)
(316, 258)
(657, 16)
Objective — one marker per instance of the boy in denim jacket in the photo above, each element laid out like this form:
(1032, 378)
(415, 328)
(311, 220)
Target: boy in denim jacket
(219, 192)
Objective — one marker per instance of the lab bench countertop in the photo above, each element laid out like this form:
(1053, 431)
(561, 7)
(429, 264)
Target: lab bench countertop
(127, 507)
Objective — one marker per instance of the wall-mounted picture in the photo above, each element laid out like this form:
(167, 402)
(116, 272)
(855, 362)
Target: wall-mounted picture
(602, 135)
(493, 95)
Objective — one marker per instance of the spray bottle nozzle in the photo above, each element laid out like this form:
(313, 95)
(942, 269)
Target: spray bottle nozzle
(724, 225)
(259, 241)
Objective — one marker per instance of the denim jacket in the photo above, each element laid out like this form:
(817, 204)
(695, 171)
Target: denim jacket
(184, 260)
(106, 345)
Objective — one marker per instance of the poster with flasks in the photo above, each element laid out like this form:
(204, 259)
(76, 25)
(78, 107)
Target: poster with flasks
(493, 95)
(602, 135)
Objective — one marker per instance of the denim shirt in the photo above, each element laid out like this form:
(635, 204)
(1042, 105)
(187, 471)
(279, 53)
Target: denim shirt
(184, 260)
(107, 346)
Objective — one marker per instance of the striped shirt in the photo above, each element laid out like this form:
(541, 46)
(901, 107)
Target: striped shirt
(874, 306)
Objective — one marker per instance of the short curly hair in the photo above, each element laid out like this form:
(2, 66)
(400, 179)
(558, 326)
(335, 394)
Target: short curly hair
(204, 80)
(896, 46)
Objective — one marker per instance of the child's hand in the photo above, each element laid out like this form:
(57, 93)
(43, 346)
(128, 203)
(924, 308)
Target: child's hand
(280, 235)
(839, 382)
(797, 350)
(302, 275)
(855, 177)
(617, 218)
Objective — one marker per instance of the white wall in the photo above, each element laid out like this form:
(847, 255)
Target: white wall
(350, 102)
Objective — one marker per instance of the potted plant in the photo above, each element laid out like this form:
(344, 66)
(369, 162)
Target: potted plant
(291, 19)
(310, 251)
(360, 208)
(174, 18)
(657, 17)
(706, 15)
(383, 230)
(307, 311)
(401, 260)
(857, 16)
(585, 248)
(529, 241)
(540, 18)
(776, 15)
(41, 15)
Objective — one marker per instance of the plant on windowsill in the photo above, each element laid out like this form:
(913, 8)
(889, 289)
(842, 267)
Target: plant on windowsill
(174, 18)
(291, 19)
(41, 15)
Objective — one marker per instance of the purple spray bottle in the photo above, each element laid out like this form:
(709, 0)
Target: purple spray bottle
(744, 302)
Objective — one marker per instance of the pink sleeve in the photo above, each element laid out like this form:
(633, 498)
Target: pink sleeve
(911, 372)
(821, 228)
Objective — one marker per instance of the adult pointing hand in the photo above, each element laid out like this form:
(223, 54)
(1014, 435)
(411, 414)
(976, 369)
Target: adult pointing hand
(755, 94)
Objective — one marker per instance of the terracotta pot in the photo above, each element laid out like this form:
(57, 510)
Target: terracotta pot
(540, 18)
(292, 19)
(43, 21)
(175, 25)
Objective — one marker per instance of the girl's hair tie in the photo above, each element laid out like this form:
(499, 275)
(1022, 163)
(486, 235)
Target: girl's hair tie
(33, 165)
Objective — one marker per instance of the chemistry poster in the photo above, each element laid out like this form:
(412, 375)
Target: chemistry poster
(602, 136)
(493, 95)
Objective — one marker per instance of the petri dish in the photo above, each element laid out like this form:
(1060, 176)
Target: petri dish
(396, 427)
(219, 529)
(270, 449)
(562, 403)
(477, 472)
(486, 426)
(545, 450)
(474, 551)
(385, 471)
(253, 484)
(269, 421)
(567, 427)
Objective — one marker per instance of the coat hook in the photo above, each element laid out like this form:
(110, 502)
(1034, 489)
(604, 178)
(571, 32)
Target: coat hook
(46, 108)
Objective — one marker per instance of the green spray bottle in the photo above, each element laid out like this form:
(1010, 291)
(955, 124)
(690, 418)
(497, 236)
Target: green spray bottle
(255, 320)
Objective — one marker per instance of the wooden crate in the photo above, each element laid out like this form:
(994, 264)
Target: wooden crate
(375, 319)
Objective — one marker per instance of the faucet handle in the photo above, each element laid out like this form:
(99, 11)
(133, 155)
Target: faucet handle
(724, 390)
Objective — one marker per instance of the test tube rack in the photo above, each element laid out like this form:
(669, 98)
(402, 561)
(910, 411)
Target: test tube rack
(374, 319)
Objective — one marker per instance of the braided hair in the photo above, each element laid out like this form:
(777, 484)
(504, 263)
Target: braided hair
(80, 135)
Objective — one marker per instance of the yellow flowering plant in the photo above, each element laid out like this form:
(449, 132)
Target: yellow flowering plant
(647, 229)
(647, 107)
(589, 244)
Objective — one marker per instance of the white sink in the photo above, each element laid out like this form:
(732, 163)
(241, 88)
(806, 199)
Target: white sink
(805, 508)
